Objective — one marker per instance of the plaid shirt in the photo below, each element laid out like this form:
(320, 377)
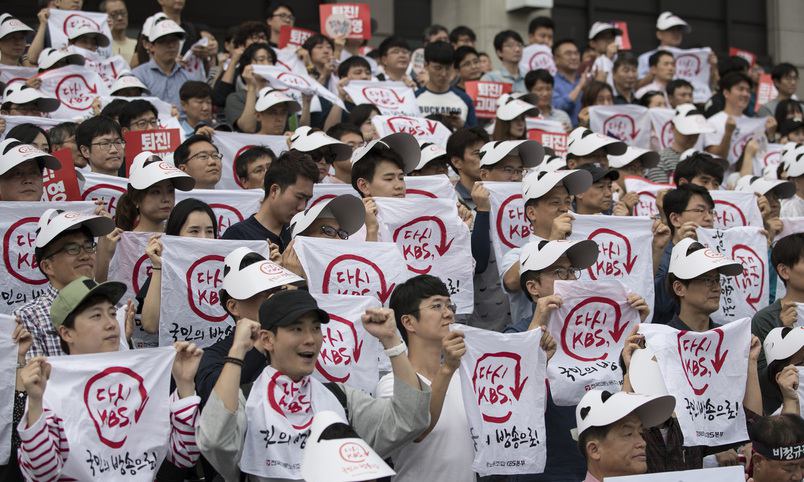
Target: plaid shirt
(35, 317)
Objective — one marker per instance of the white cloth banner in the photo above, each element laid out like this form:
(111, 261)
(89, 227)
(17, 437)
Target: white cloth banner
(736, 208)
(537, 56)
(76, 87)
(647, 191)
(192, 275)
(800, 322)
(108, 69)
(661, 121)
(232, 144)
(693, 65)
(434, 241)
(289, 60)
(424, 130)
(590, 329)
(502, 383)
(790, 226)
(391, 98)
(114, 407)
(509, 226)
(438, 186)
(706, 372)
(735, 473)
(322, 192)
(770, 158)
(628, 123)
(13, 121)
(349, 354)
(20, 270)
(8, 365)
(625, 251)
(747, 128)
(335, 266)
(61, 23)
(12, 74)
(745, 294)
(229, 206)
(108, 188)
(300, 83)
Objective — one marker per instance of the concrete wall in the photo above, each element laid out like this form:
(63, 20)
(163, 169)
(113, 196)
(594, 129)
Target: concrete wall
(786, 34)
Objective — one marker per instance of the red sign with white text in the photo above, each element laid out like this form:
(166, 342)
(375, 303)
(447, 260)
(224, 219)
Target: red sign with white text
(293, 36)
(158, 141)
(61, 184)
(350, 20)
(485, 95)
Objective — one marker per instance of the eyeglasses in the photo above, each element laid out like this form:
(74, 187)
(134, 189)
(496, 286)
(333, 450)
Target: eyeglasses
(331, 232)
(511, 171)
(469, 63)
(145, 123)
(74, 249)
(566, 273)
(452, 307)
(710, 282)
(120, 14)
(206, 156)
(700, 211)
(106, 145)
(284, 16)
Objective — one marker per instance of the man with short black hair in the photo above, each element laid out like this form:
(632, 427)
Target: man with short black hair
(508, 45)
(624, 78)
(100, 142)
(539, 83)
(777, 448)
(541, 30)
(785, 79)
(118, 15)
(700, 169)
(201, 159)
(196, 103)
(467, 66)
(438, 96)
(394, 57)
(662, 69)
(569, 83)
(138, 115)
(679, 91)
(252, 164)
(278, 15)
(462, 36)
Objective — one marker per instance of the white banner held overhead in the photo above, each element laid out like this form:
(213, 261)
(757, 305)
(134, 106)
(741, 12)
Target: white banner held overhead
(424, 130)
(628, 123)
(232, 144)
(322, 192)
(335, 266)
(747, 128)
(108, 69)
(745, 294)
(192, 276)
(693, 66)
(502, 382)
(349, 354)
(736, 208)
(661, 121)
(769, 158)
(76, 87)
(300, 83)
(590, 329)
(625, 251)
(509, 226)
(115, 407)
(108, 188)
(229, 206)
(437, 186)
(14, 74)
(61, 23)
(647, 192)
(8, 365)
(23, 281)
(706, 372)
(434, 241)
(391, 98)
(537, 56)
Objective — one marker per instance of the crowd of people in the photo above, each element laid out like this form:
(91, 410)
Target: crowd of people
(253, 400)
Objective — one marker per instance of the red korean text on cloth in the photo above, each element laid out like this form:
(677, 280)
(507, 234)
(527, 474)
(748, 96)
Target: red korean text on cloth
(628, 123)
(735, 209)
(509, 226)
(391, 98)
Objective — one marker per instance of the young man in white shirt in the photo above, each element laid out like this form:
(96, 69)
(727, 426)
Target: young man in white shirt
(662, 69)
(670, 30)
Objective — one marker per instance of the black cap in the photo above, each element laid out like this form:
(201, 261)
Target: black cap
(599, 173)
(286, 307)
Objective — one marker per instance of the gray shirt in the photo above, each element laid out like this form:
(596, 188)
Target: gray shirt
(668, 160)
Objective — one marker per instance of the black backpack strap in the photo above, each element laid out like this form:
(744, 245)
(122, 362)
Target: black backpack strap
(340, 395)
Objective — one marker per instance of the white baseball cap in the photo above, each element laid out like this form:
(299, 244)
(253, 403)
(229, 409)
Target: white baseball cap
(632, 153)
(404, 144)
(702, 260)
(50, 56)
(688, 120)
(645, 375)
(760, 185)
(10, 24)
(344, 459)
(793, 159)
(89, 29)
(530, 152)
(20, 93)
(305, 139)
(268, 97)
(148, 169)
(667, 20)
(53, 222)
(582, 142)
(509, 108)
(243, 283)
(600, 27)
(13, 153)
(430, 152)
(537, 184)
(724, 163)
(162, 27)
(551, 162)
(538, 255)
(599, 408)
(347, 209)
(783, 342)
(128, 81)
(149, 23)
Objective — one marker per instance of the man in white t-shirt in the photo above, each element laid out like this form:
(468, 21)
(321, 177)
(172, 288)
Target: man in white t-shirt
(601, 39)
(444, 452)
(662, 69)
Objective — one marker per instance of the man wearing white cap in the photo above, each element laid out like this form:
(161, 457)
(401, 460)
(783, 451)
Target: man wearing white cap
(688, 124)
(433, 161)
(12, 40)
(272, 110)
(601, 39)
(21, 167)
(42, 37)
(162, 74)
(336, 218)
(598, 198)
(51, 58)
(65, 250)
(322, 149)
(793, 160)
(126, 85)
(87, 36)
(587, 147)
(20, 99)
(670, 30)
(379, 167)
(609, 431)
(633, 163)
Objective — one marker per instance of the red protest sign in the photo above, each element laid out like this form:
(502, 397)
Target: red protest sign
(158, 141)
(485, 95)
(554, 140)
(750, 57)
(61, 185)
(623, 41)
(293, 36)
(766, 91)
(350, 20)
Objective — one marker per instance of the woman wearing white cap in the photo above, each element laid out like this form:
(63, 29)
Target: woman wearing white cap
(21, 167)
(12, 41)
(510, 122)
(784, 352)
(87, 37)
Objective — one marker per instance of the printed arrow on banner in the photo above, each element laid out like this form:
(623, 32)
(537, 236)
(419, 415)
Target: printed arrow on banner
(516, 390)
(618, 330)
(720, 358)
